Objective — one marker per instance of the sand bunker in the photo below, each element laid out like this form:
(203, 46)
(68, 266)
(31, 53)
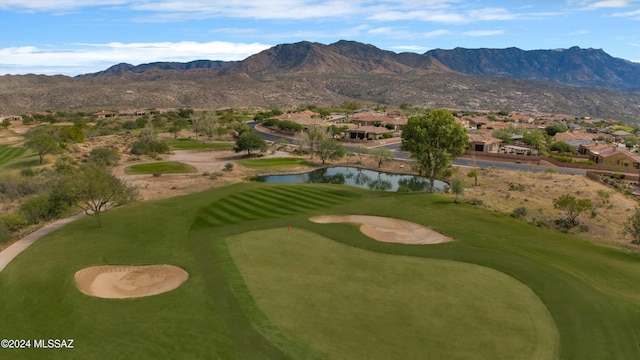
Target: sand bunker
(388, 229)
(119, 282)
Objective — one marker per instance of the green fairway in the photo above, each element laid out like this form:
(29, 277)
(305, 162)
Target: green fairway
(314, 288)
(192, 144)
(275, 162)
(164, 167)
(8, 153)
(502, 289)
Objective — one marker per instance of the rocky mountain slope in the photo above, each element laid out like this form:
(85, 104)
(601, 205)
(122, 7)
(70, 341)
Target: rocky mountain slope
(574, 82)
(574, 66)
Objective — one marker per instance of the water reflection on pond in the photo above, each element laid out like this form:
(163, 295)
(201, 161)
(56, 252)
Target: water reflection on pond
(363, 178)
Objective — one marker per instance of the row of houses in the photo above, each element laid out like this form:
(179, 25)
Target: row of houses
(103, 114)
(10, 118)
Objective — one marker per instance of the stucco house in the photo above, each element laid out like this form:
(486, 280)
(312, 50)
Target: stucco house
(614, 156)
(484, 142)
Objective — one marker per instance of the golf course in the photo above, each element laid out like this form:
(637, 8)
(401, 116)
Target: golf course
(265, 281)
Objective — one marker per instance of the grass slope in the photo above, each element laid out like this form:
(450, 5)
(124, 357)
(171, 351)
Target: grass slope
(317, 289)
(275, 162)
(164, 167)
(8, 153)
(192, 144)
(592, 293)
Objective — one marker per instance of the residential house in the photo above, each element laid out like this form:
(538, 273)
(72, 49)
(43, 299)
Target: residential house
(11, 118)
(575, 139)
(614, 156)
(105, 114)
(368, 133)
(484, 142)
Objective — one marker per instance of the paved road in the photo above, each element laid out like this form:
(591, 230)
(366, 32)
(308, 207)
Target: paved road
(402, 155)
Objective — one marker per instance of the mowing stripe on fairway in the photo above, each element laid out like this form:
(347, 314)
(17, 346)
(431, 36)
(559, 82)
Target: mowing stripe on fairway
(283, 203)
(312, 193)
(9, 152)
(221, 216)
(240, 203)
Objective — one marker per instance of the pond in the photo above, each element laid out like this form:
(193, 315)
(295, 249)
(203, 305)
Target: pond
(363, 178)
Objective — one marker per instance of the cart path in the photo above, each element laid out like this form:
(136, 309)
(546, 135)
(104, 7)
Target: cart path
(16, 248)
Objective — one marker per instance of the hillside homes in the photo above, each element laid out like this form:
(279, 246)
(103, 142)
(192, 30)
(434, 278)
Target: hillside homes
(612, 155)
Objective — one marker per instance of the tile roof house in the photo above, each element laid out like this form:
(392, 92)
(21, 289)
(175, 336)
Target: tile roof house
(105, 114)
(367, 132)
(484, 142)
(615, 156)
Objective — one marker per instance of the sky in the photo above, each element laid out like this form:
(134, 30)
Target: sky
(73, 37)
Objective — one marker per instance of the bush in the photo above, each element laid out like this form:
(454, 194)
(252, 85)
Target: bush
(516, 187)
(28, 172)
(476, 202)
(5, 233)
(228, 167)
(519, 213)
(149, 147)
(36, 209)
(104, 156)
(565, 223)
(13, 221)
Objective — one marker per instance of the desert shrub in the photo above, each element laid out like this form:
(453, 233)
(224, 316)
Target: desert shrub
(476, 202)
(28, 172)
(5, 233)
(516, 187)
(519, 212)
(287, 125)
(565, 223)
(270, 122)
(13, 221)
(36, 209)
(156, 174)
(104, 156)
(228, 167)
(149, 147)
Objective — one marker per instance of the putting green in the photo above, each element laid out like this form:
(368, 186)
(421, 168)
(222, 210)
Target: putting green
(165, 167)
(315, 289)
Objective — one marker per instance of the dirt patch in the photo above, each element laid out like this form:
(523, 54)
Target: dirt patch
(120, 282)
(206, 162)
(388, 229)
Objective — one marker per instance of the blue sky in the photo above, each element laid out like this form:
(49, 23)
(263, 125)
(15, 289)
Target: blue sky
(73, 37)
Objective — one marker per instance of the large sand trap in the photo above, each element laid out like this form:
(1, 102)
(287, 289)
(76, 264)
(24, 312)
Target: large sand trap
(119, 282)
(388, 229)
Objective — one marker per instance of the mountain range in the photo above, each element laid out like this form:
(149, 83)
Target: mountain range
(573, 81)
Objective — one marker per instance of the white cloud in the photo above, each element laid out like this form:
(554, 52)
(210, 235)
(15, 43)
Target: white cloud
(95, 57)
(438, 11)
(608, 4)
(603, 4)
(48, 5)
(630, 14)
(579, 32)
(410, 48)
(479, 33)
